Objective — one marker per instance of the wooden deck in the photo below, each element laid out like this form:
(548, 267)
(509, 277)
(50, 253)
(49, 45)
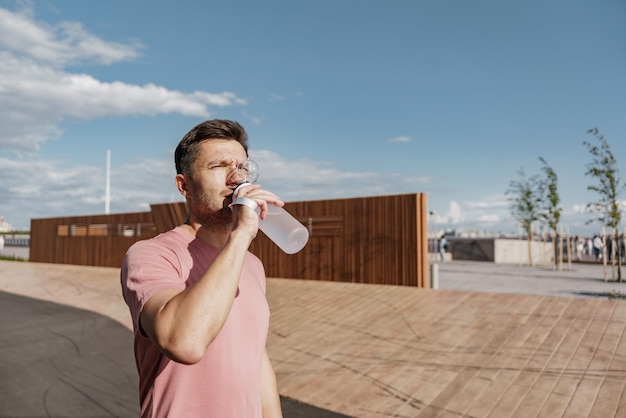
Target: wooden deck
(383, 351)
(387, 351)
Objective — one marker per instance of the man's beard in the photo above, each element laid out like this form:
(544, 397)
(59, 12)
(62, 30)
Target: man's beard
(222, 217)
(210, 218)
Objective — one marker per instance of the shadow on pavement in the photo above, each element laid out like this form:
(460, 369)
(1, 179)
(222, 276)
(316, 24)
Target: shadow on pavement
(60, 361)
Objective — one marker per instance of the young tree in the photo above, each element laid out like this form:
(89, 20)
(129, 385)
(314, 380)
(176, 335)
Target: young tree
(550, 209)
(525, 204)
(603, 168)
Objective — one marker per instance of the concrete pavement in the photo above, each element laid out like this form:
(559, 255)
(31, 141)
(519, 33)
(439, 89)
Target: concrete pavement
(579, 280)
(17, 252)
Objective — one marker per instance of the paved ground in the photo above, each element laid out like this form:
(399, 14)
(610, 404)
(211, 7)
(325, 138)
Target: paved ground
(577, 280)
(18, 252)
(65, 343)
(61, 361)
(391, 351)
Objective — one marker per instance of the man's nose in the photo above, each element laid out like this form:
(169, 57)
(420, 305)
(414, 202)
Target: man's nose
(236, 175)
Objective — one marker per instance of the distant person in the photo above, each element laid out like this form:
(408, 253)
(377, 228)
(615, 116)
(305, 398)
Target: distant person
(1, 242)
(443, 246)
(597, 247)
(588, 246)
(197, 295)
(580, 245)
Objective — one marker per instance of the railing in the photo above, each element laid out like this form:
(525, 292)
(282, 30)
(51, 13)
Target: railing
(16, 241)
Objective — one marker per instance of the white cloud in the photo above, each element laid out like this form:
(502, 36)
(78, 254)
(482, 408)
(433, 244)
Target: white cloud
(580, 208)
(65, 43)
(48, 189)
(451, 216)
(399, 139)
(306, 179)
(493, 218)
(37, 93)
(489, 203)
(491, 213)
(487, 214)
(136, 185)
(55, 189)
(257, 120)
(454, 213)
(275, 98)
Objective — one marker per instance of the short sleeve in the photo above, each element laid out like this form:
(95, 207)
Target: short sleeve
(148, 268)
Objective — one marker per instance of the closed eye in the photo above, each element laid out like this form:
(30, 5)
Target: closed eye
(220, 164)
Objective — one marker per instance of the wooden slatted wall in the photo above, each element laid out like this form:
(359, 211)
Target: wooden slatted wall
(380, 239)
(96, 240)
(168, 215)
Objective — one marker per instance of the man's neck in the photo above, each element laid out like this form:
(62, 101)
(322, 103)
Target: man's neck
(215, 235)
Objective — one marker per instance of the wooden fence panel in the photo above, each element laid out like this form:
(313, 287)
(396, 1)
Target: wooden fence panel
(379, 239)
(364, 240)
(168, 215)
(96, 240)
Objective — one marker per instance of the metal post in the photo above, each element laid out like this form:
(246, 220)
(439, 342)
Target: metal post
(434, 275)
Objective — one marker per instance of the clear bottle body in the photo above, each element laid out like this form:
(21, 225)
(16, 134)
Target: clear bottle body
(285, 230)
(279, 226)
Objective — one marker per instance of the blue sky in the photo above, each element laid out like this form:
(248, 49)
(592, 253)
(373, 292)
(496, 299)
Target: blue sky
(340, 99)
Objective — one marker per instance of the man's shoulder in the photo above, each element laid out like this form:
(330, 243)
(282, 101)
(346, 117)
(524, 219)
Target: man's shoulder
(173, 235)
(165, 242)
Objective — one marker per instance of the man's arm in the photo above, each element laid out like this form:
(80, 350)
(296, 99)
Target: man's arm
(183, 323)
(269, 390)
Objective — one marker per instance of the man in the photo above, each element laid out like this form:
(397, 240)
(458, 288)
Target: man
(443, 246)
(597, 247)
(197, 295)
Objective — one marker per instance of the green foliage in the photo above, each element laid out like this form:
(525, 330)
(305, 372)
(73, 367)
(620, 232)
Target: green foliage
(525, 201)
(11, 258)
(603, 168)
(550, 198)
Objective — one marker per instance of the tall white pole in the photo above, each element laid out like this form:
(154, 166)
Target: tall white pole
(107, 192)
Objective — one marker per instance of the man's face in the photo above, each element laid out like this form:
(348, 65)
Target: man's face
(211, 185)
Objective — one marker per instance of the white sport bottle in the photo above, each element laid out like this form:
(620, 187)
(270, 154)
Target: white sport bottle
(279, 226)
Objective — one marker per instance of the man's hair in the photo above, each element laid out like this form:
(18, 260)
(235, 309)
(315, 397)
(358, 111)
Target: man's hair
(187, 149)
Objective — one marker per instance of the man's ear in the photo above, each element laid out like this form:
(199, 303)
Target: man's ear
(181, 184)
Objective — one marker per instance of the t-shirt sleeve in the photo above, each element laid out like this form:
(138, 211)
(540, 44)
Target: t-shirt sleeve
(147, 269)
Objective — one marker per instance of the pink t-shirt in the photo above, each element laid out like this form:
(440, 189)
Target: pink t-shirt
(227, 381)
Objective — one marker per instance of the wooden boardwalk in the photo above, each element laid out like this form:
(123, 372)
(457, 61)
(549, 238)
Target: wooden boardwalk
(383, 351)
(386, 351)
